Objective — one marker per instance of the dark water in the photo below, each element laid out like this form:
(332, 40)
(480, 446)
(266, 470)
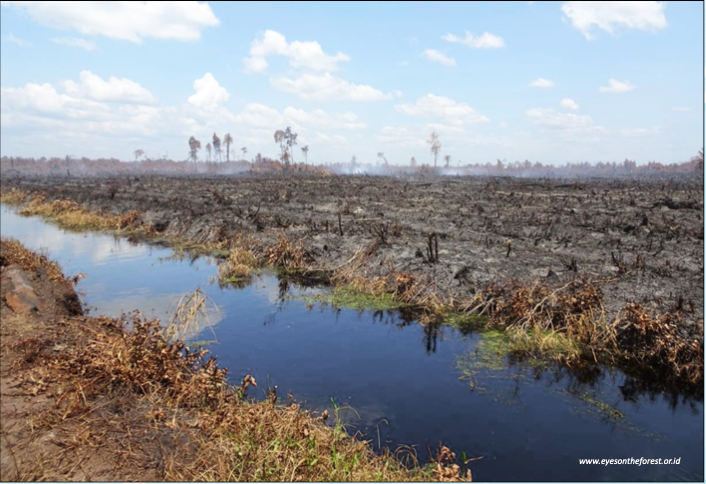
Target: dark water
(404, 382)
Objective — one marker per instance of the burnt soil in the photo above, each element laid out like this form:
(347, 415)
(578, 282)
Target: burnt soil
(637, 240)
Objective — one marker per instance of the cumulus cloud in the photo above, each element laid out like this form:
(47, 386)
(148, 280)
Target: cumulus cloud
(484, 41)
(16, 40)
(442, 107)
(77, 43)
(402, 135)
(548, 118)
(321, 119)
(334, 139)
(568, 103)
(607, 16)
(133, 21)
(70, 115)
(307, 55)
(44, 99)
(255, 64)
(617, 87)
(541, 82)
(326, 86)
(113, 90)
(209, 94)
(436, 56)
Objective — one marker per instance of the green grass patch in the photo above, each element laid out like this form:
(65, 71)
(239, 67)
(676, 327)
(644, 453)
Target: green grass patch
(346, 297)
(465, 322)
(604, 408)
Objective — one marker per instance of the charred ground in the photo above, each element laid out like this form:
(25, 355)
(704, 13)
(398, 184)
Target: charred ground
(629, 248)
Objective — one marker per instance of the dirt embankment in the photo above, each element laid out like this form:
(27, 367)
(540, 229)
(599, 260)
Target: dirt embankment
(523, 249)
(86, 399)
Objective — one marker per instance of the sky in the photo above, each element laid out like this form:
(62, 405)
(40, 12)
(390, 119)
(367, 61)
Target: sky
(554, 82)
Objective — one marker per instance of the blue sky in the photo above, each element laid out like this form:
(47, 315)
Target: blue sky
(554, 82)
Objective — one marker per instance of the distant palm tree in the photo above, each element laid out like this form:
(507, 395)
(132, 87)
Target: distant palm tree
(244, 150)
(217, 147)
(305, 150)
(194, 147)
(435, 145)
(228, 140)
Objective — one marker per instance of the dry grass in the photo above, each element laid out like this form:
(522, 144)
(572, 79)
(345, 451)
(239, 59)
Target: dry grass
(569, 324)
(190, 315)
(238, 267)
(13, 252)
(71, 215)
(289, 255)
(231, 439)
(12, 196)
(663, 341)
(164, 388)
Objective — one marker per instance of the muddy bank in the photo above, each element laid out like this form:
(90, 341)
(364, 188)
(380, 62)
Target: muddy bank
(619, 251)
(85, 399)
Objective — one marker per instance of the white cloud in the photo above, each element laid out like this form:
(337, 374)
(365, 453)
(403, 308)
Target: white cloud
(308, 55)
(324, 139)
(209, 94)
(255, 64)
(16, 40)
(261, 116)
(442, 107)
(320, 119)
(617, 87)
(66, 118)
(436, 56)
(113, 90)
(681, 109)
(541, 82)
(133, 21)
(454, 139)
(502, 124)
(584, 16)
(548, 118)
(44, 99)
(568, 103)
(75, 42)
(326, 86)
(402, 135)
(485, 41)
(398, 93)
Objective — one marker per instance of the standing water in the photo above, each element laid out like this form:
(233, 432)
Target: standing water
(404, 384)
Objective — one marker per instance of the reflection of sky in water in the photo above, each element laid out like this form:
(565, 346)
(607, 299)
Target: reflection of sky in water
(121, 276)
(527, 428)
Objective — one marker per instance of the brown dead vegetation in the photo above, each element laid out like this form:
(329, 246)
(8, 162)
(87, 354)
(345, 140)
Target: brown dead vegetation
(114, 399)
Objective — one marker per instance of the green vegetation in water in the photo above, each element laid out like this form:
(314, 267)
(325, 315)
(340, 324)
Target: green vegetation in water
(465, 322)
(349, 298)
(544, 344)
(346, 297)
(487, 361)
(201, 343)
(533, 348)
(201, 249)
(604, 408)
